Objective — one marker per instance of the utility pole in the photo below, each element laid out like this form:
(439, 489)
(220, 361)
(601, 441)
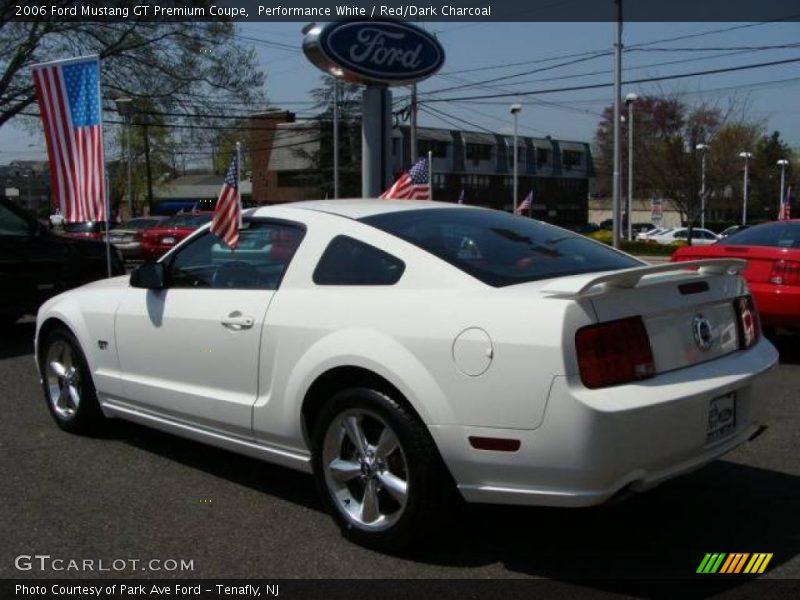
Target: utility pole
(630, 99)
(615, 199)
(782, 163)
(746, 156)
(703, 149)
(515, 110)
(336, 138)
(413, 131)
(148, 171)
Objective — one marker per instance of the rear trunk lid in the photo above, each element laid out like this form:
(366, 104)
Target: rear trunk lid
(760, 259)
(689, 315)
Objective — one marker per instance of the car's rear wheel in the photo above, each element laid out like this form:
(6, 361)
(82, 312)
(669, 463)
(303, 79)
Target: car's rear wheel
(378, 470)
(68, 387)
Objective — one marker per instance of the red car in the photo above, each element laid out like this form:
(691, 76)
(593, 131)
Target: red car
(90, 230)
(158, 240)
(772, 251)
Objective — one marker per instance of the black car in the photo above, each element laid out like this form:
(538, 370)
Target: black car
(36, 264)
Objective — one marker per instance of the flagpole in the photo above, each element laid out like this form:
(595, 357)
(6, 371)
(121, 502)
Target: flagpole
(239, 179)
(430, 171)
(108, 214)
(105, 172)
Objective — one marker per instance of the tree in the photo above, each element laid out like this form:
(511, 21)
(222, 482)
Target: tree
(667, 162)
(183, 68)
(321, 159)
(766, 174)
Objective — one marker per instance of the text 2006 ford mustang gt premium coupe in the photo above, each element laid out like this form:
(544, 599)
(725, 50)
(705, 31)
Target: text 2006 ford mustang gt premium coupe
(399, 348)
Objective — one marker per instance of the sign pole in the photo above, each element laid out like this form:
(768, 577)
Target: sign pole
(376, 140)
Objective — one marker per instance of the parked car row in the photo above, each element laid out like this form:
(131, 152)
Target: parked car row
(141, 237)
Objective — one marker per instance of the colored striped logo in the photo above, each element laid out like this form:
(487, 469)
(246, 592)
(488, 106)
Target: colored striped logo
(737, 562)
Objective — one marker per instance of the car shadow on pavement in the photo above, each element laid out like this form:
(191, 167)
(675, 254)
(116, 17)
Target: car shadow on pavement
(662, 534)
(788, 345)
(289, 485)
(17, 339)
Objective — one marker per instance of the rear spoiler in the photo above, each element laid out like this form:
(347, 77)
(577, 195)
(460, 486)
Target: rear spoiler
(579, 285)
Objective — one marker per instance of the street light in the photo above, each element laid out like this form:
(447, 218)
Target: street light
(125, 109)
(703, 150)
(630, 99)
(782, 163)
(746, 156)
(515, 110)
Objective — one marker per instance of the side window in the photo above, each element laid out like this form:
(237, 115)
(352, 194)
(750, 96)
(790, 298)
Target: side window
(681, 235)
(12, 224)
(349, 262)
(258, 262)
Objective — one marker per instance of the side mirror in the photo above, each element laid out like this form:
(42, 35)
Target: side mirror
(150, 276)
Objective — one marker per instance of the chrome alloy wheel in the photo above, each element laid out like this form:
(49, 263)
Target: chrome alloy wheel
(63, 380)
(366, 471)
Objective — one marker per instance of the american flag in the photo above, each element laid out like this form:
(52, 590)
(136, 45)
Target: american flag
(786, 207)
(412, 185)
(228, 212)
(68, 92)
(526, 203)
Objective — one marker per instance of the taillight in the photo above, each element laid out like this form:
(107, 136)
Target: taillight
(785, 272)
(747, 321)
(614, 352)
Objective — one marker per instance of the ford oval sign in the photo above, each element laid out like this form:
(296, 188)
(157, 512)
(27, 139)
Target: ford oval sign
(374, 52)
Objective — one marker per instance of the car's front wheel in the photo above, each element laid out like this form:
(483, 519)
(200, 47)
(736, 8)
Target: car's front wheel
(378, 471)
(68, 387)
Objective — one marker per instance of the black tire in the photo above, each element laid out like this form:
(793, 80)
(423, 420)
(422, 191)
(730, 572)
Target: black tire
(429, 487)
(86, 418)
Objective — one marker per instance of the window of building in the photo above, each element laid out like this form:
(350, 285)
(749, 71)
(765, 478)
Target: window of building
(295, 179)
(475, 181)
(571, 158)
(439, 181)
(347, 261)
(542, 156)
(436, 147)
(479, 151)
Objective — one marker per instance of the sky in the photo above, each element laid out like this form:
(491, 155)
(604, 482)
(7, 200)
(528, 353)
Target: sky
(477, 52)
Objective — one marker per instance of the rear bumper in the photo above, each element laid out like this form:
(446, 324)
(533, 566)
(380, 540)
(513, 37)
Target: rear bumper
(594, 444)
(129, 249)
(778, 305)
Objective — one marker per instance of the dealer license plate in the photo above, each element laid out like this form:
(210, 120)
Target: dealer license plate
(721, 417)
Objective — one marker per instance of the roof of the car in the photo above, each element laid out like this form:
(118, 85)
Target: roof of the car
(362, 207)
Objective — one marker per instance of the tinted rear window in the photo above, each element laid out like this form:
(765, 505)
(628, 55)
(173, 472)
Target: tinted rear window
(139, 223)
(498, 248)
(186, 221)
(779, 235)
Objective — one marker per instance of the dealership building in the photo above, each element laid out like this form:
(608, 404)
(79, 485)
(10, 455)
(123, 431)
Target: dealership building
(287, 158)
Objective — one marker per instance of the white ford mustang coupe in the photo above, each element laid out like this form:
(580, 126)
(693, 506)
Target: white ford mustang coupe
(400, 350)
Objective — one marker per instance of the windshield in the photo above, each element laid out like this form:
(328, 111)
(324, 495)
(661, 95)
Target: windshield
(498, 248)
(187, 220)
(782, 234)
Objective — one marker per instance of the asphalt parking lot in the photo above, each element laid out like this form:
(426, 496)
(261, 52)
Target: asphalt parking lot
(141, 494)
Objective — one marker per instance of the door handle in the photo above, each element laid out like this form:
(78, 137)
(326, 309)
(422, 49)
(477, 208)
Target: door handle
(236, 321)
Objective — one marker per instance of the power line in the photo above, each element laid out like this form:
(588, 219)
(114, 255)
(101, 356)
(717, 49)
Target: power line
(628, 82)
